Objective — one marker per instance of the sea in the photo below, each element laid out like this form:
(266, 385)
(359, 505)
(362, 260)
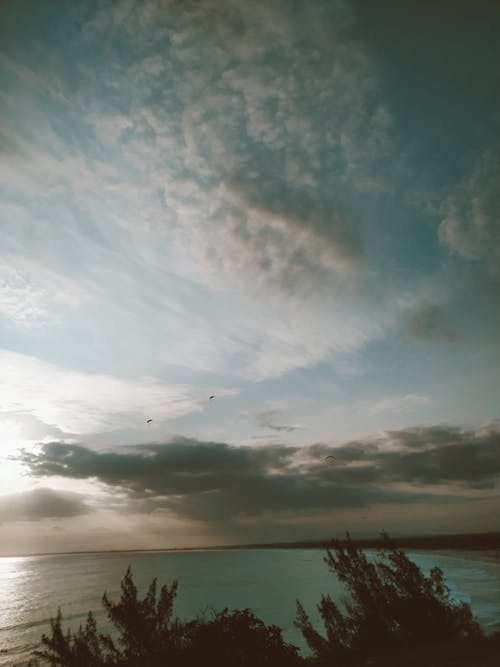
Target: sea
(267, 581)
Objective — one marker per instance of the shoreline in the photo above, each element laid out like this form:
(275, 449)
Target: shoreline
(456, 542)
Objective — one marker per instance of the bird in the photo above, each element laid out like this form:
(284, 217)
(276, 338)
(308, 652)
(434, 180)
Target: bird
(210, 397)
(148, 421)
(331, 457)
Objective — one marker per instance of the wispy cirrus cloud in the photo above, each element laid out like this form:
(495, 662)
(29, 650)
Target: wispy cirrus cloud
(134, 189)
(229, 155)
(20, 301)
(406, 403)
(32, 295)
(77, 402)
(230, 139)
(470, 226)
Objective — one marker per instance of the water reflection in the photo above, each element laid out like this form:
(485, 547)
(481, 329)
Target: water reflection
(11, 581)
(32, 587)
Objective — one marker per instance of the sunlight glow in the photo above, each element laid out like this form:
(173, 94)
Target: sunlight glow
(12, 474)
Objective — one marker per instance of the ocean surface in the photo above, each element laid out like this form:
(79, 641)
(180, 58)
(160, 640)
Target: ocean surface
(268, 581)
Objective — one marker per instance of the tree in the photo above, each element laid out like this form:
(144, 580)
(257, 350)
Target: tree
(238, 639)
(390, 603)
(82, 649)
(149, 636)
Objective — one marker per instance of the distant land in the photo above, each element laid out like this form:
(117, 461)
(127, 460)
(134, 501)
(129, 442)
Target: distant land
(467, 541)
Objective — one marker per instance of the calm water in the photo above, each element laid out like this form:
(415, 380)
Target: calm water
(266, 581)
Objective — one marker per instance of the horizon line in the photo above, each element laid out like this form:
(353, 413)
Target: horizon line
(462, 541)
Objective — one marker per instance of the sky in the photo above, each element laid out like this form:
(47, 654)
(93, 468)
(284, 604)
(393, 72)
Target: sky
(291, 206)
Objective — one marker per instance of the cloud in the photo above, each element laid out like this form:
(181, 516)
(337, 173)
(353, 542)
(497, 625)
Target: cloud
(213, 481)
(262, 214)
(404, 403)
(217, 482)
(218, 126)
(431, 437)
(41, 503)
(470, 226)
(426, 321)
(203, 185)
(445, 455)
(20, 301)
(266, 419)
(30, 293)
(288, 244)
(77, 402)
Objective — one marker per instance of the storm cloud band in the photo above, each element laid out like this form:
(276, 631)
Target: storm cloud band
(214, 481)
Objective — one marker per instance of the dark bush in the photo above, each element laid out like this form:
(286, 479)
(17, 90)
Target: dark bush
(238, 638)
(390, 604)
(149, 636)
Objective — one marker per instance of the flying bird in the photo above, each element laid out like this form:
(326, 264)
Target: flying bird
(148, 421)
(210, 397)
(331, 457)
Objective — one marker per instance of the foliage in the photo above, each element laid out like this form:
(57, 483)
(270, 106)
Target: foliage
(79, 650)
(391, 604)
(149, 636)
(147, 632)
(238, 638)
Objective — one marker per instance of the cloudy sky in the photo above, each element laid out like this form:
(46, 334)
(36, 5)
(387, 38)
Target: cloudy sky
(292, 206)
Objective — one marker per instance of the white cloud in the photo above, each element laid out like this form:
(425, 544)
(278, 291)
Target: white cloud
(256, 107)
(470, 225)
(20, 300)
(406, 403)
(31, 294)
(81, 403)
(256, 249)
(190, 203)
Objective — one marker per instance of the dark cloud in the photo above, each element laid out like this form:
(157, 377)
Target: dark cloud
(279, 494)
(427, 437)
(470, 460)
(427, 322)
(266, 419)
(178, 467)
(41, 503)
(216, 482)
(350, 452)
(337, 242)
